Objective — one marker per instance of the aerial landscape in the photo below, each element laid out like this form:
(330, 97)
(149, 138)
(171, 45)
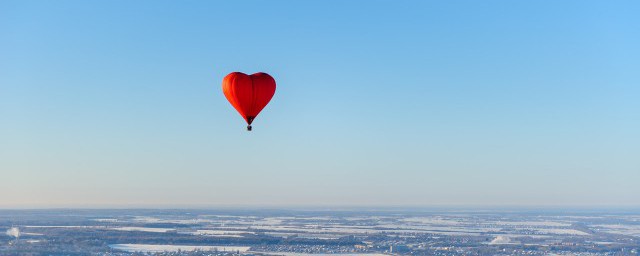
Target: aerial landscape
(319, 128)
(336, 232)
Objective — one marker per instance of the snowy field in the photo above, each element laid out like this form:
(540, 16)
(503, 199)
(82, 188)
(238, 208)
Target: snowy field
(629, 230)
(143, 229)
(175, 248)
(322, 254)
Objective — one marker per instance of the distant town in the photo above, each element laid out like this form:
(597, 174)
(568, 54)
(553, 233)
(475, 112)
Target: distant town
(319, 232)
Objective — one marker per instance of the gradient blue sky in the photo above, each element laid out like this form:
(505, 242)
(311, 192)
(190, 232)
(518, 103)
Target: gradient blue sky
(118, 103)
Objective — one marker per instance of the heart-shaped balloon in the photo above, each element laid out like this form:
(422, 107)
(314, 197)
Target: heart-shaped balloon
(248, 94)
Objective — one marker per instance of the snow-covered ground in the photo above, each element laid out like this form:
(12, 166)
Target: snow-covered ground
(220, 232)
(143, 229)
(531, 223)
(175, 248)
(322, 254)
(628, 230)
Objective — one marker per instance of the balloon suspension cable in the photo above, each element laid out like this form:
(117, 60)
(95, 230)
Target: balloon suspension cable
(248, 127)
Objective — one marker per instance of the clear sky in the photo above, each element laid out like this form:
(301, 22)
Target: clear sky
(404, 103)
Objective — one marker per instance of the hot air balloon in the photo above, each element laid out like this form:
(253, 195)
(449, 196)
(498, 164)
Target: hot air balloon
(248, 94)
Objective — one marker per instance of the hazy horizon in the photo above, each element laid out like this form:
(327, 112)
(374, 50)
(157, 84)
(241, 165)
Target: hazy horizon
(348, 208)
(381, 104)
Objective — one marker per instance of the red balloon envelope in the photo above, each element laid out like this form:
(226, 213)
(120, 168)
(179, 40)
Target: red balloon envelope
(249, 94)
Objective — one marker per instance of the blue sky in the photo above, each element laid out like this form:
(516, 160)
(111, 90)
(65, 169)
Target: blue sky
(410, 103)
